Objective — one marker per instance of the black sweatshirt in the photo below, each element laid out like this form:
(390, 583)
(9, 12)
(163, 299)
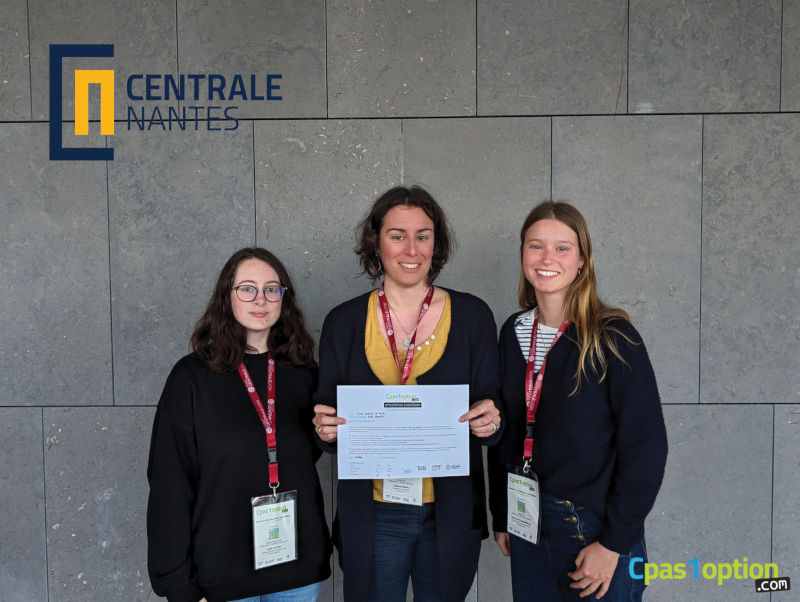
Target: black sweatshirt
(604, 448)
(208, 457)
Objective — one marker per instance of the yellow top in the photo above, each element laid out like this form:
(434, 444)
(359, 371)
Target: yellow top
(426, 354)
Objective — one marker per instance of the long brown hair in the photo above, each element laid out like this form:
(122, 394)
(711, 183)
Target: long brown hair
(369, 229)
(593, 319)
(221, 342)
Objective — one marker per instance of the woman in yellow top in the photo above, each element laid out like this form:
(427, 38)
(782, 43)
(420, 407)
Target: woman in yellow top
(451, 338)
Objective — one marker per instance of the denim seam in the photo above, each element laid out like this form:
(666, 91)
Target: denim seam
(578, 525)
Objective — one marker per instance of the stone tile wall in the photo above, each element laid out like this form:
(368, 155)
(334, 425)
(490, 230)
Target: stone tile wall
(670, 124)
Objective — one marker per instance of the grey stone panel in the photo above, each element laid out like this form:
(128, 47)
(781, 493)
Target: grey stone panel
(487, 174)
(143, 34)
(494, 572)
(54, 302)
(315, 181)
(23, 557)
(786, 502)
(552, 57)
(96, 540)
(714, 504)
(15, 82)
(181, 203)
(751, 278)
(494, 569)
(401, 59)
(325, 472)
(338, 575)
(637, 182)
(250, 37)
(703, 57)
(790, 57)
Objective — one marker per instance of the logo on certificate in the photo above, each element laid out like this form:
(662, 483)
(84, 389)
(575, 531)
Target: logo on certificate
(521, 506)
(274, 533)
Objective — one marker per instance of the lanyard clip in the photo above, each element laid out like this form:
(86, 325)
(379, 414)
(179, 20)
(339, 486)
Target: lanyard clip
(526, 466)
(274, 487)
(272, 452)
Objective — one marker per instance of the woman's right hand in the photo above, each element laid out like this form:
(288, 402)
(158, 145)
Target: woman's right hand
(326, 423)
(502, 543)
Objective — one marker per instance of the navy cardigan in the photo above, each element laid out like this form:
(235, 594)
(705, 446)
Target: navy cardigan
(604, 448)
(470, 357)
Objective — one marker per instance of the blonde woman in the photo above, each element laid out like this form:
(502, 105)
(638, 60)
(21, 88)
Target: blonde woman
(584, 426)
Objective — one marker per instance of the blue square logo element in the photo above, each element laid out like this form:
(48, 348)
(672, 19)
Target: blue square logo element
(57, 53)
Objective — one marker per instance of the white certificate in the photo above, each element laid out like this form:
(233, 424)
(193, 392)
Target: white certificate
(404, 431)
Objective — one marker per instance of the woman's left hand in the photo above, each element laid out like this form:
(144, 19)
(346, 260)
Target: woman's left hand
(595, 567)
(483, 417)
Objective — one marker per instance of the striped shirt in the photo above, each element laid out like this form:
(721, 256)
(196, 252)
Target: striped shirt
(523, 326)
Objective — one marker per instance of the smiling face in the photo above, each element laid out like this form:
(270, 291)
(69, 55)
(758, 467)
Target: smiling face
(405, 243)
(551, 258)
(260, 315)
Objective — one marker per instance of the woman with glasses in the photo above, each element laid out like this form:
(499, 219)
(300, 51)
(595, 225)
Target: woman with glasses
(583, 454)
(410, 332)
(235, 509)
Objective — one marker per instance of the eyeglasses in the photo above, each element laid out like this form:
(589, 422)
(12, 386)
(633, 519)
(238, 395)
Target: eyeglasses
(249, 293)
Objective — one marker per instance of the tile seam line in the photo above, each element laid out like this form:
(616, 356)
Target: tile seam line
(780, 70)
(30, 69)
(255, 202)
(700, 277)
(477, 112)
(44, 491)
(110, 287)
(442, 117)
(551, 158)
(772, 493)
(628, 64)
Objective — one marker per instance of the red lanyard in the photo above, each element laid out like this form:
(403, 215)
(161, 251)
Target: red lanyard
(533, 387)
(267, 417)
(405, 371)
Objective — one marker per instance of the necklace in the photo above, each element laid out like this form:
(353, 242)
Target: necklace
(423, 309)
(407, 339)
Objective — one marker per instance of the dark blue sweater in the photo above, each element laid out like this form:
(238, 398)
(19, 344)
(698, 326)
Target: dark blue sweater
(604, 448)
(470, 357)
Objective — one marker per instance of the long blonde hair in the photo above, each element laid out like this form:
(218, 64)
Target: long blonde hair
(592, 318)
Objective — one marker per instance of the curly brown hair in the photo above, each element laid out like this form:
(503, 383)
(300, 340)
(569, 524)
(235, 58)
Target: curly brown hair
(221, 342)
(369, 229)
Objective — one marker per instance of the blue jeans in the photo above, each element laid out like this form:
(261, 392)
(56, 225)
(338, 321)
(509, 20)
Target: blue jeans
(309, 593)
(405, 544)
(539, 572)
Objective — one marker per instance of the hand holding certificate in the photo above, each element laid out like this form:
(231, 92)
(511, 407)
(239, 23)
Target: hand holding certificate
(405, 431)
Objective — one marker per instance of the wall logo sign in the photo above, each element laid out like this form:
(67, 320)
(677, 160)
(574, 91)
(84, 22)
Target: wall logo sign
(83, 77)
(192, 100)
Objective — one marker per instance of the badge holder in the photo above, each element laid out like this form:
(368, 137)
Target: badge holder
(403, 491)
(274, 527)
(524, 502)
